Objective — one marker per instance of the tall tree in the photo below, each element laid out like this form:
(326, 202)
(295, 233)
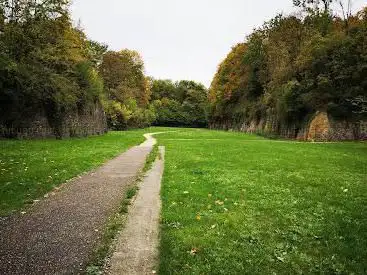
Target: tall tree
(127, 89)
(44, 65)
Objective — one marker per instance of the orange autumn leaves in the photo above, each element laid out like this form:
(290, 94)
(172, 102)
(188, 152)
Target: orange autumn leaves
(231, 72)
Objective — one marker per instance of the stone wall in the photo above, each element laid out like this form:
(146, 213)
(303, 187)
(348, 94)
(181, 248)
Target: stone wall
(324, 127)
(321, 127)
(91, 121)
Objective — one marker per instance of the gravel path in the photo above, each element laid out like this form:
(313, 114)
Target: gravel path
(136, 251)
(58, 234)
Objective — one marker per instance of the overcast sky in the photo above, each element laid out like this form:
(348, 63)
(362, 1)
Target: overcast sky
(178, 39)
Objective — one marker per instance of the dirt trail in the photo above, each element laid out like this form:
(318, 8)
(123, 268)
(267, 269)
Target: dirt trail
(58, 234)
(137, 247)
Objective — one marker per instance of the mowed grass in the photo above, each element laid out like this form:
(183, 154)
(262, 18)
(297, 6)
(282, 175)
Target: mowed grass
(31, 168)
(240, 204)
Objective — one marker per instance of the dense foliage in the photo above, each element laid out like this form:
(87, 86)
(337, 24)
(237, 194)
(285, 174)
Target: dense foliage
(133, 100)
(294, 66)
(45, 64)
(127, 91)
(48, 68)
(183, 103)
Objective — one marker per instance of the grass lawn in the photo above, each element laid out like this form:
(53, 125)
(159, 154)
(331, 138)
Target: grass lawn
(29, 169)
(240, 204)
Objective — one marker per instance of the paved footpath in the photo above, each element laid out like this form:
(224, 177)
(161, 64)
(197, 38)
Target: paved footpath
(58, 234)
(137, 246)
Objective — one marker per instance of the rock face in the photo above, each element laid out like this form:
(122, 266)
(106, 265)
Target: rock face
(324, 127)
(321, 127)
(90, 121)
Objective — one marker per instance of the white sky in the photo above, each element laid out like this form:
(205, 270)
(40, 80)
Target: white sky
(178, 39)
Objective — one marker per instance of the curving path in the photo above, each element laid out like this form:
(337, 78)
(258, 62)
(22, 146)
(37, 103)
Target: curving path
(58, 234)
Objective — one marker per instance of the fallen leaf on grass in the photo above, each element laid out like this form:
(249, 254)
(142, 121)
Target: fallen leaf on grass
(193, 251)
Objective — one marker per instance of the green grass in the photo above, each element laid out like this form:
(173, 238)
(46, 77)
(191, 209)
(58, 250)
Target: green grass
(241, 204)
(29, 169)
(151, 158)
(232, 203)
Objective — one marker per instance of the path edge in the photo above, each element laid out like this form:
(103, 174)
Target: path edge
(107, 270)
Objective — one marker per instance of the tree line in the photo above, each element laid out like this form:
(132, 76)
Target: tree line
(49, 67)
(287, 69)
(132, 99)
(293, 66)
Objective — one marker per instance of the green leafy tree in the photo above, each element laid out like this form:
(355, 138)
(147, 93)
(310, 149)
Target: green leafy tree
(183, 103)
(292, 67)
(44, 65)
(127, 90)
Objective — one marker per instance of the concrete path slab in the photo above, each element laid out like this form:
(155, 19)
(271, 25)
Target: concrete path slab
(58, 234)
(137, 247)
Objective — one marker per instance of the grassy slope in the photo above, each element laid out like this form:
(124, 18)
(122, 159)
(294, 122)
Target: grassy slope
(29, 169)
(239, 204)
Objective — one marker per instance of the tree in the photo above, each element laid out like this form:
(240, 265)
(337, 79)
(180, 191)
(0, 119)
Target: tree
(163, 89)
(314, 4)
(292, 67)
(127, 89)
(183, 103)
(20, 11)
(45, 68)
(123, 76)
(95, 52)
